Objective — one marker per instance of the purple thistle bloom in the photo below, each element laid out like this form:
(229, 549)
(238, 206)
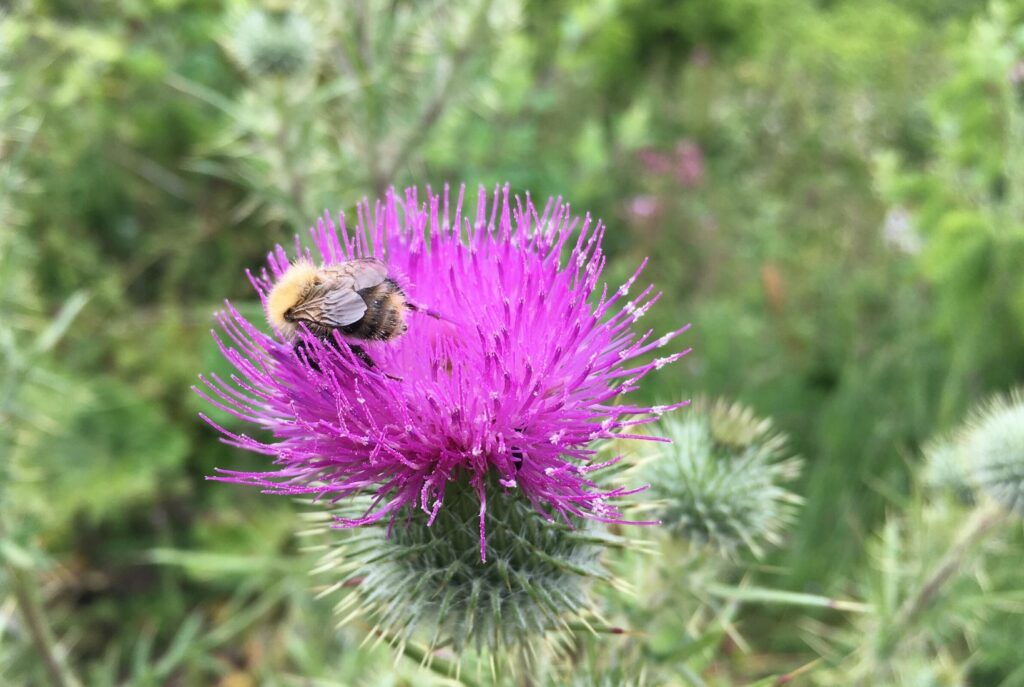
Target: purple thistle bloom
(516, 382)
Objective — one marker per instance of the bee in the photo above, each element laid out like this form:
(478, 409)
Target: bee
(356, 298)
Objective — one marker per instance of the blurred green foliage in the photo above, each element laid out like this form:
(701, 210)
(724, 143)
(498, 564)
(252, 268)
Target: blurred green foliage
(832, 191)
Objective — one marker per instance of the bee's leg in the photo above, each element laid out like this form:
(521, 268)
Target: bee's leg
(305, 355)
(359, 352)
(517, 454)
(303, 352)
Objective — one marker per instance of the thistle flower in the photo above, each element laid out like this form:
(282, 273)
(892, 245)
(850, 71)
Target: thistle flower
(272, 43)
(431, 578)
(517, 385)
(993, 445)
(720, 479)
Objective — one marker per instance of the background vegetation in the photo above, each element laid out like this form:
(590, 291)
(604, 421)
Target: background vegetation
(831, 190)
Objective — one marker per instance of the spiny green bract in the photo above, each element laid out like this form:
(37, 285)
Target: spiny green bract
(272, 43)
(531, 587)
(993, 445)
(719, 480)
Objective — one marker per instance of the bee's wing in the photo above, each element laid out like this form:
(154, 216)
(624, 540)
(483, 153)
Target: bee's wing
(342, 305)
(364, 273)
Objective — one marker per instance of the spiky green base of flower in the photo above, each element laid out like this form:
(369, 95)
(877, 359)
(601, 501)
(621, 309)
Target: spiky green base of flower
(719, 481)
(993, 445)
(431, 581)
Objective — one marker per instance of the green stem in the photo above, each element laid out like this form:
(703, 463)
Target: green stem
(442, 96)
(974, 531)
(27, 597)
(601, 629)
(761, 595)
(295, 187)
(23, 584)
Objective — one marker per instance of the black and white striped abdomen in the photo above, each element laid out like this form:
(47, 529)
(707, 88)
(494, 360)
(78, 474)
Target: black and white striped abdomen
(385, 313)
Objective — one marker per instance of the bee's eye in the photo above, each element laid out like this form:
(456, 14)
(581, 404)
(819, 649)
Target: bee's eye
(289, 315)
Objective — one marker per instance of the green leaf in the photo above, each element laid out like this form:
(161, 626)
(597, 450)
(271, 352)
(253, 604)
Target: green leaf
(206, 565)
(59, 326)
(17, 556)
(184, 640)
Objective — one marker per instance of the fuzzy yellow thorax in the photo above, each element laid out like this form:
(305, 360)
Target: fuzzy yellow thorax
(287, 292)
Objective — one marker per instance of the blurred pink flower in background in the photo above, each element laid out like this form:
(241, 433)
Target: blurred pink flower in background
(685, 162)
(655, 161)
(644, 207)
(689, 163)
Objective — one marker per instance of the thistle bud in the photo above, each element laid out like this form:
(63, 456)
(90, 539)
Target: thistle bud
(993, 445)
(945, 468)
(719, 481)
(272, 43)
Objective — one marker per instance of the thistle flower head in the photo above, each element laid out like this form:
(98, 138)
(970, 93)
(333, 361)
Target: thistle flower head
(516, 384)
(720, 480)
(272, 43)
(431, 578)
(993, 446)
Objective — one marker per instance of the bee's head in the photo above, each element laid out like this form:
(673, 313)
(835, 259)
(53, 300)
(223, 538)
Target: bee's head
(288, 294)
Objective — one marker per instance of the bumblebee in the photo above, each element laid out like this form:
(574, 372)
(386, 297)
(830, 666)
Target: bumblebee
(356, 298)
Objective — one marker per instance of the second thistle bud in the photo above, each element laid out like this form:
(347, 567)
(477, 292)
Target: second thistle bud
(720, 480)
(278, 43)
(993, 448)
(945, 468)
